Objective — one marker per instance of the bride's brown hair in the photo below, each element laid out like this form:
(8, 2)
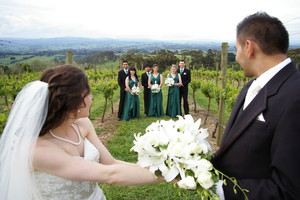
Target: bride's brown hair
(68, 86)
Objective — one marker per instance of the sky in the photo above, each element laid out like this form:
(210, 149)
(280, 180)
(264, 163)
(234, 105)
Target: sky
(211, 20)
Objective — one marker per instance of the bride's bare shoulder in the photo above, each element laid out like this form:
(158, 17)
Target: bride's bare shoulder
(85, 122)
(85, 125)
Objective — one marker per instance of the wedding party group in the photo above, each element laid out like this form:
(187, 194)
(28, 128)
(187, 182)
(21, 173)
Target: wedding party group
(49, 148)
(177, 82)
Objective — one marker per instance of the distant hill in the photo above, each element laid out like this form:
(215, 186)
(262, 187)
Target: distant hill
(22, 45)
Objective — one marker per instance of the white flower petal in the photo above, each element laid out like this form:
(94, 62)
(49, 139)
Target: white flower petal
(188, 183)
(172, 173)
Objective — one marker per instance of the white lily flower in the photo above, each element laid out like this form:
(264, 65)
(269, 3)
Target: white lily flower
(175, 149)
(202, 134)
(189, 121)
(172, 173)
(203, 165)
(205, 146)
(180, 124)
(188, 183)
(205, 180)
(146, 161)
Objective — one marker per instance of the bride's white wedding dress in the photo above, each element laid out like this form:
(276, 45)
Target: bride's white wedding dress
(55, 188)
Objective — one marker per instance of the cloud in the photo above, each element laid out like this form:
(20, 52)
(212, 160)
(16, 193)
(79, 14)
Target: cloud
(156, 19)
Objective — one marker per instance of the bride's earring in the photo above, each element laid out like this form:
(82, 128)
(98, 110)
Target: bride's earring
(78, 111)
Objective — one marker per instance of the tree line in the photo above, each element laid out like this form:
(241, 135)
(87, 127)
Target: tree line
(195, 59)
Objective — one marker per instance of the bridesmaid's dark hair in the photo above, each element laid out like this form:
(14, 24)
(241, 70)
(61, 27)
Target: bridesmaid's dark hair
(133, 69)
(68, 86)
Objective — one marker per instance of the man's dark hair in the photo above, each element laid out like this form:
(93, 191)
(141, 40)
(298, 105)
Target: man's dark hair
(147, 65)
(268, 32)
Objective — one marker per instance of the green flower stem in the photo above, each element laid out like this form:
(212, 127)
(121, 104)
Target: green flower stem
(233, 180)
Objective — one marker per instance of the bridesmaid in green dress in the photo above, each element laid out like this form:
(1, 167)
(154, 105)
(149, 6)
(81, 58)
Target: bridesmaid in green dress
(155, 103)
(173, 104)
(131, 104)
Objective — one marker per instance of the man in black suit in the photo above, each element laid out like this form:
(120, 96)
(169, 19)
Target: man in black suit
(261, 142)
(145, 77)
(122, 74)
(184, 89)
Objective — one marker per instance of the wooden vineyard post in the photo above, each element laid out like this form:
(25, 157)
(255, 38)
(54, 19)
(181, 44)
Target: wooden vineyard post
(217, 70)
(224, 58)
(69, 59)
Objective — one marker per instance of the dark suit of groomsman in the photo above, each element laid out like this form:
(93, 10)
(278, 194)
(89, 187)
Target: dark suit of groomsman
(145, 77)
(184, 89)
(122, 74)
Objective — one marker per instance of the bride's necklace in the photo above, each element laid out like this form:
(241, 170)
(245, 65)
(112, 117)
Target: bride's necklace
(66, 140)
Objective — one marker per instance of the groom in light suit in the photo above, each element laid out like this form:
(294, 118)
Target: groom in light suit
(261, 142)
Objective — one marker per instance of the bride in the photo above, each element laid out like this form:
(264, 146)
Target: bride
(49, 148)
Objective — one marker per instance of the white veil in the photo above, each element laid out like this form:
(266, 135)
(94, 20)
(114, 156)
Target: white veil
(17, 142)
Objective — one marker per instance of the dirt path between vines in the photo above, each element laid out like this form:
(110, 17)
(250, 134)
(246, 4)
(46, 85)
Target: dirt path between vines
(106, 130)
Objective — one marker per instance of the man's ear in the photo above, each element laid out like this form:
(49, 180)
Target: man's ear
(250, 46)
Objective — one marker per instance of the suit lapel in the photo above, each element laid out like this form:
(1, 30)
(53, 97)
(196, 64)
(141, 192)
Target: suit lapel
(237, 106)
(236, 127)
(257, 106)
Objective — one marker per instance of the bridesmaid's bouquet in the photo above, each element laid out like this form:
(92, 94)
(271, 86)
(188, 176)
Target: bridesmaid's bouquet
(135, 90)
(179, 150)
(169, 82)
(155, 88)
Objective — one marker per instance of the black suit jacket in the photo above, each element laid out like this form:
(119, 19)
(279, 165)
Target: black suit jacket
(121, 79)
(265, 156)
(145, 80)
(147, 91)
(185, 77)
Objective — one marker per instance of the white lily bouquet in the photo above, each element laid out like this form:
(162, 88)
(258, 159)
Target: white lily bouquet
(179, 150)
(135, 90)
(169, 82)
(155, 88)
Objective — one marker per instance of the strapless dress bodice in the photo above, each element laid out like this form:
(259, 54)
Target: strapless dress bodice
(56, 188)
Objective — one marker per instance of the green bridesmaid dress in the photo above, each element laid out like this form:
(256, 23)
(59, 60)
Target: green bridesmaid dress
(173, 104)
(131, 104)
(156, 100)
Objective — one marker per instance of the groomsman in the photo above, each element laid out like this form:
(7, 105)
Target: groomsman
(122, 74)
(184, 89)
(145, 77)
